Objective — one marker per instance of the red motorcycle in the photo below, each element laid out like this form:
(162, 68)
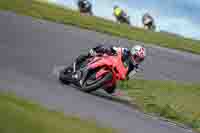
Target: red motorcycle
(102, 72)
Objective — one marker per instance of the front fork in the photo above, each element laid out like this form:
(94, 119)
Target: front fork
(74, 66)
(82, 74)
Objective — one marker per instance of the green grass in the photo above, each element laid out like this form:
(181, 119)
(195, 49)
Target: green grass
(175, 101)
(66, 16)
(20, 116)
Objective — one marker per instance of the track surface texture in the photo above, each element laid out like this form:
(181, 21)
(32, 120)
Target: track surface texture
(30, 49)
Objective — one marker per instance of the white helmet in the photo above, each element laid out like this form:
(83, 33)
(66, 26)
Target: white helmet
(138, 53)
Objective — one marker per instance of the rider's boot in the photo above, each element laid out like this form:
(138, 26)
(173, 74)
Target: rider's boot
(113, 91)
(117, 93)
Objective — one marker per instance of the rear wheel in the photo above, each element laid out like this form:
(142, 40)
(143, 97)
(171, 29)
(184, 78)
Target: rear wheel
(92, 84)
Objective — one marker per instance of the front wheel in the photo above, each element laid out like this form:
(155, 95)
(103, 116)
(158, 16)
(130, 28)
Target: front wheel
(63, 75)
(92, 84)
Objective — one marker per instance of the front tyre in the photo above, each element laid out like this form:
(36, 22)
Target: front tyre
(92, 85)
(63, 76)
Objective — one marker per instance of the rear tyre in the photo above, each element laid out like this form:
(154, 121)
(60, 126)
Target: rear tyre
(92, 85)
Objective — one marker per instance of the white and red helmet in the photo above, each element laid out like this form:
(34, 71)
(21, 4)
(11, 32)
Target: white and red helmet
(138, 53)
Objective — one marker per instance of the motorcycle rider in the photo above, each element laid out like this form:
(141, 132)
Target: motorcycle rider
(118, 12)
(131, 58)
(84, 6)
(148, 21)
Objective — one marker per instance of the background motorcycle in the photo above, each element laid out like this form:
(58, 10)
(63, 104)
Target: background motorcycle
(124, 19)
(149, 24)
(85, 9)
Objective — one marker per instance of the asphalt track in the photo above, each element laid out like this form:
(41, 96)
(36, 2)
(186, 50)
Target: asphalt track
(31, 49)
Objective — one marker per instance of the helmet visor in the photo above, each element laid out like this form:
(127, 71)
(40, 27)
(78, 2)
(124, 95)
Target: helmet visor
(137, 59)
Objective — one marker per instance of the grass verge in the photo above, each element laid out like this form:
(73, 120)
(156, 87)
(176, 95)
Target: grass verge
(20, 116)
(175, 101)
(66, 16)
